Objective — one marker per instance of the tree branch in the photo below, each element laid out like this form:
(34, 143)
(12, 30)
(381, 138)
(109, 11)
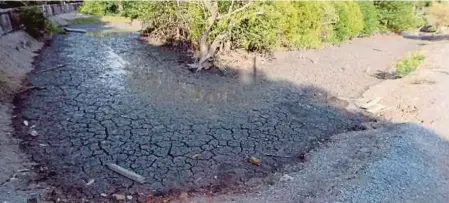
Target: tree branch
(230, 7)
(235, 11)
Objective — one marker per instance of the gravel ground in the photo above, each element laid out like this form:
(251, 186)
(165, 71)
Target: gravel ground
(399, 163)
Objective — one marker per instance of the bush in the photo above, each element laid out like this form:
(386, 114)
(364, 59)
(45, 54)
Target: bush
(304, 25)
(33, 20)
(350, 20)
(53, 29)
(96, 8)
(397, 15)
(409, 64)
(370, 17)
(265, 25)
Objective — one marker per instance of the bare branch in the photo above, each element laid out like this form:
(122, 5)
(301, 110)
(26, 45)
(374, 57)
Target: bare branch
(230, 7)
(235, 11)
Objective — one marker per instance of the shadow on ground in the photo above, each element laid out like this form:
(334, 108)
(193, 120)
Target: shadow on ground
(426, 36)
(115, 99)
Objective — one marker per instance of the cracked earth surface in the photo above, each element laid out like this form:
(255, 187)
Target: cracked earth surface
(119, 100)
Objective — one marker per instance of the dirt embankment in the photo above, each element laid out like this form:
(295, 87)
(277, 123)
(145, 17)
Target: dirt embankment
(16, 53)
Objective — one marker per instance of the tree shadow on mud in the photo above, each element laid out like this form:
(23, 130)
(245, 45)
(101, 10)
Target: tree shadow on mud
(204, 126)
(427, 36)
(302, 117)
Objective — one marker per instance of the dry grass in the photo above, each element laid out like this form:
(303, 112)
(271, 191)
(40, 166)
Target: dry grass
(439, 14)
(102, 20)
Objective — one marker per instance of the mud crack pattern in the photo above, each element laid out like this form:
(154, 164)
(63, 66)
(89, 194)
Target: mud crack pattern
(118, 100)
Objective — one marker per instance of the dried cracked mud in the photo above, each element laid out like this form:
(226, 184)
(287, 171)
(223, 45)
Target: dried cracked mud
(115, 99)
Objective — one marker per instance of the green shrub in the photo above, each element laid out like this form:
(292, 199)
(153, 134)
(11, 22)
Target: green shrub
(330, 18)
(96, 8)
(53, 29)
(260, 32)
(304, 25)
(350, 20)
(33, 20)
(265, 25)
(370, 17)
(88, 20)
(397, 15)
(409, 64)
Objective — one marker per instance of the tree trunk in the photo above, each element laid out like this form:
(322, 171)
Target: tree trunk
(207, 51)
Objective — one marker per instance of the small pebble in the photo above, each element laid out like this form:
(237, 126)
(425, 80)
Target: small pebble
(33, 133)
(91, 181)
(119, 197)
(254, 161)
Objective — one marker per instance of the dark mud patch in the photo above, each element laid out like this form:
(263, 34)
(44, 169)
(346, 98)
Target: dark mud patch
(121, 101)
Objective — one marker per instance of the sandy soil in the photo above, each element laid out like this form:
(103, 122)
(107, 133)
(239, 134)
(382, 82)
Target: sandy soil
(346, 70)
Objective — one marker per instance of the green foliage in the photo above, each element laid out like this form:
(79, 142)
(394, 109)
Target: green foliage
(34, 21)
(261, 30)
(96, 8)
(350, 20)
(265, 25)
(370, 17)
(53, 29)
(88, 20)
(397, 15)
(100, 8)
(304, 28)
(409, 64)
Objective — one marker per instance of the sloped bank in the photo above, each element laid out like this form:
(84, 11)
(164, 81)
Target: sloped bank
(17, 51)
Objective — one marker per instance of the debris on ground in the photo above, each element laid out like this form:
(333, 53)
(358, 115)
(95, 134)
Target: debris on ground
(49, 69)
(119, 197)
(127, 173)
(103, 195)
(25, 122)
(31, 88)
(286, 177)
(74, 30)
(90, 182)
(254, 161)
(376, 108)
(34, 133)
(371, 103)
(129, 197)
(33, 198)
(183, 196)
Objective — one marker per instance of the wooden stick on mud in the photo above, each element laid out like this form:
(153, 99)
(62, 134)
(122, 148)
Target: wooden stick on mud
(31, 88)
(127, 173)
(49, 69)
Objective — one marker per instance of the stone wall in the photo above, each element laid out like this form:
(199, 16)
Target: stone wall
(10, 18)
